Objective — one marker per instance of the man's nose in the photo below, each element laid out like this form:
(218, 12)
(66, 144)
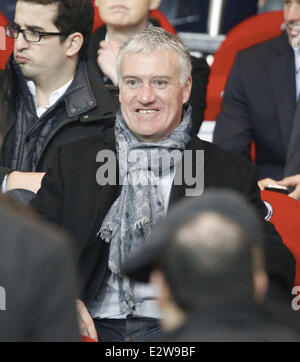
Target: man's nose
(292, 13)
(146, 94)
(20, 42)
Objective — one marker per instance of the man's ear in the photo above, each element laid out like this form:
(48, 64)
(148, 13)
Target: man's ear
(73, 44)
(154, 4)
(187, 88)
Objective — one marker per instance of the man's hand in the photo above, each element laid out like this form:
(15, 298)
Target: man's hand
(292, 181)
(107, 56)
(86, 323)
(24, 180)
(266, 182)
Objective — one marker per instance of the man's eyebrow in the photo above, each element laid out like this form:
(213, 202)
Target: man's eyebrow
(130, 76)
(34, 27)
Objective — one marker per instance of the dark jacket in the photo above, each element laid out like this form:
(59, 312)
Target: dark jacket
(81, 118)
(71, 198)
(200, 73)
(259, 105)
(37, 274)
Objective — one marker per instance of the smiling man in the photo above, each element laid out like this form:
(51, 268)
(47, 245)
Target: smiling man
(50, 93)
(110, 221)
(125, 18)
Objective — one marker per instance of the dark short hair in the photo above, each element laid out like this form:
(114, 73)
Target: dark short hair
(207, 261)
(207, 248)
(72, 16)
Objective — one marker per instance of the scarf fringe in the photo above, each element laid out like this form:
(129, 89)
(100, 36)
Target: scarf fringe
(114, 269)
(142, 224)
(106, 231)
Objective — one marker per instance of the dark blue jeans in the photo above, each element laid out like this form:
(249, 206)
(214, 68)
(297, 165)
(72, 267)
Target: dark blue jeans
(127, 330)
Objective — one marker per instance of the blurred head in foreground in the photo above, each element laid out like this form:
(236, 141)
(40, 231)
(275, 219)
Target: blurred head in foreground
(206, 252)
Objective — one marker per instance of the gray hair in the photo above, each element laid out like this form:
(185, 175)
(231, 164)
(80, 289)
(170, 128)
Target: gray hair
(155, 39)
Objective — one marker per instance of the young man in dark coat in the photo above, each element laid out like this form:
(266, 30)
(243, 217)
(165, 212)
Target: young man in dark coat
(50, 93)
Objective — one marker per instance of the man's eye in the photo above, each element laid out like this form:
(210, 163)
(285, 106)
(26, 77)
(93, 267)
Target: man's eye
(132, 83)
(32, 33)
(160, 83)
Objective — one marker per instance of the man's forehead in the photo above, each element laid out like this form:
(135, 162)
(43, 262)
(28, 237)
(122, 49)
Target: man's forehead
(162, 63)
(33, 14)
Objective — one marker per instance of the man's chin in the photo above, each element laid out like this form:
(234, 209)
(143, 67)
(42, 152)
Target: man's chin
(26, 71)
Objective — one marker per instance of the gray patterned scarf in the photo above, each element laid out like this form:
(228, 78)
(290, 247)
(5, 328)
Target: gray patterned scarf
(140, 204)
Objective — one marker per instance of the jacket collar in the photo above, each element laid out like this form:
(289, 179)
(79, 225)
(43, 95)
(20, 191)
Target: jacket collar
(86, 92)
(87, 97)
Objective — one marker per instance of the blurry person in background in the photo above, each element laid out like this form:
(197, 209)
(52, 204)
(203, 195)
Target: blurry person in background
(37, 280)
(261, 105)
(207, 261)
(269, 5)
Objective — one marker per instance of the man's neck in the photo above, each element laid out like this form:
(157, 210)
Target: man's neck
(121, 34)
(45, 86)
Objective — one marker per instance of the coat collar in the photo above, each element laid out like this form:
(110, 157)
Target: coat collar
(87, 97)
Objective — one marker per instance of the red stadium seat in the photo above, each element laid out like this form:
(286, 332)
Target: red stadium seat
(86, 339)
(251, 31)
(6, 44)
(286, 219)
(158, 15)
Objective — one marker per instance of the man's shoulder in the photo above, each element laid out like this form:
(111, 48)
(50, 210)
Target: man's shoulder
(3, 80)
(88, 145)
(262, 49)
(217, 155)
(96, 37)
(99, 33)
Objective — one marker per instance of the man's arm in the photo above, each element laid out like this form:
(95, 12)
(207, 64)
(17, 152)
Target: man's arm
(49, 199)
(280, 263)
(24, 180)
(233, 130)
(293, 181)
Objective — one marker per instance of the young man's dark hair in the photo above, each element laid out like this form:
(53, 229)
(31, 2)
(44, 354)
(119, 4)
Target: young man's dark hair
(72, 16)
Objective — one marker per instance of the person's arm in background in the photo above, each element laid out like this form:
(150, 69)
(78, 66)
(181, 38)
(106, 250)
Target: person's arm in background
(200, 74)
(233, 130)
(280, 263)
(293, 181)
